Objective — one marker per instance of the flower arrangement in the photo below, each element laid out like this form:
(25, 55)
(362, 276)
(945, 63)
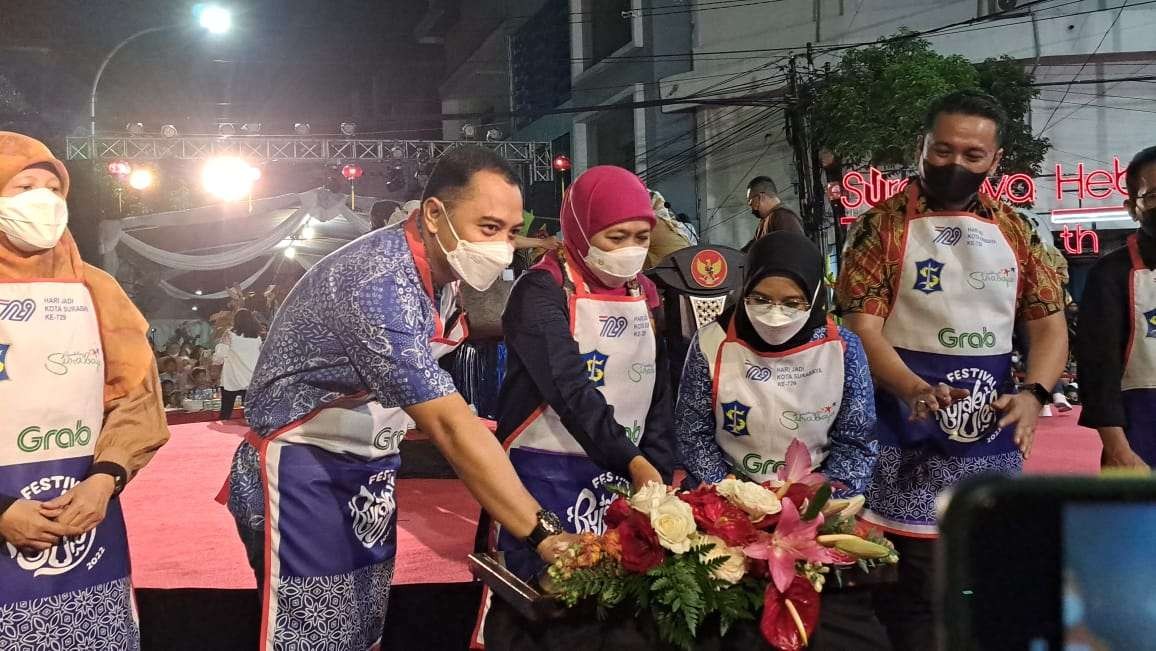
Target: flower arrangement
(731, 549)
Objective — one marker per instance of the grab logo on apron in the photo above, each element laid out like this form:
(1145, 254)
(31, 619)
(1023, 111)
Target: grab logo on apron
(763, 401)
(52, 408)
(949, 260)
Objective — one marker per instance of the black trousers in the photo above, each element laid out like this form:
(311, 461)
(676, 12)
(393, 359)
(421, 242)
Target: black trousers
(905, 608)
(228, 399)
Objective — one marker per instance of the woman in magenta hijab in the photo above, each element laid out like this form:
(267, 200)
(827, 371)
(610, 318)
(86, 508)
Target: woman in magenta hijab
(584, 402)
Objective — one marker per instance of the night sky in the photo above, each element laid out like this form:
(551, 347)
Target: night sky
(285, 61)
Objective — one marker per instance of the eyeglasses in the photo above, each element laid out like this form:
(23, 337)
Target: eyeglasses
(796, 304)
(1149, 198)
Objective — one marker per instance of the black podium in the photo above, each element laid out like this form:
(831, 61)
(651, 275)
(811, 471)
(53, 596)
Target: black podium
(697, 283)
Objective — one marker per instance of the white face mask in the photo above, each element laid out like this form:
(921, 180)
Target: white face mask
(478, 264)
(778, 323)
(615, 268)
(612, 268)
(34, 220)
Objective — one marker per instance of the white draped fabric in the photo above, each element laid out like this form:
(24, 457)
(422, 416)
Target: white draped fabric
(181, 294)
(267, 224)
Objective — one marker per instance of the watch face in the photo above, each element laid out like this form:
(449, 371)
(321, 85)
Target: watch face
(551, 522)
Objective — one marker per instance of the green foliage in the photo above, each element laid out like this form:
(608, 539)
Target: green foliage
(869, 110)
(816, 504)
(679, 594)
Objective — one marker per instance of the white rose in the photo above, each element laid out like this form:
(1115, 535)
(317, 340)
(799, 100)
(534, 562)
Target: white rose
(750, 497)
(734, 568)
(673, 521)
(649, 497)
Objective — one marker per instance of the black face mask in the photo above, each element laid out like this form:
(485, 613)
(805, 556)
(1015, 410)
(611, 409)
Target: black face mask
(951, 184)
(1148, 222)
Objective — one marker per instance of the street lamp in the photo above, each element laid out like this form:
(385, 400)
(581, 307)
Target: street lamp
(213, 18)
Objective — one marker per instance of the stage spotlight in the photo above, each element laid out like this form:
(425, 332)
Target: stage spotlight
(226, 129)
(141, 179)
(215, 19)
(290, 252)
(494, 135)
(348, 128)
(198, 292)
(119, 168)
(397, 152)
(301, 128)
(169, 131)
(251, 128)
(134, 128)
(194, 308)
(308, 233)
(230, 179)
(469, 131)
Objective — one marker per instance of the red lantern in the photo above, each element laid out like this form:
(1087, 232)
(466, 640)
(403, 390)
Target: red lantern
(352, 172)
(562, 163)
(119, 168)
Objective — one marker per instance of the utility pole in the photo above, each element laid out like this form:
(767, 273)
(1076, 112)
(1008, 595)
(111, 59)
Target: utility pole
(808, 172)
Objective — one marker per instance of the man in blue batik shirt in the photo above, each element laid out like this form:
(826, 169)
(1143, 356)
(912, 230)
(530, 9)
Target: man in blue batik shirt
(350, 363)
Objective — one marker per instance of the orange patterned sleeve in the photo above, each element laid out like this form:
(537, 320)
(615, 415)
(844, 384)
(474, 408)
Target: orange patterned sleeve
(1041, 292)
(865, 279)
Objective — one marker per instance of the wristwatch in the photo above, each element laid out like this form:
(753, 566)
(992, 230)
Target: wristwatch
(1039, 392)
(549, 524)
(119, 474)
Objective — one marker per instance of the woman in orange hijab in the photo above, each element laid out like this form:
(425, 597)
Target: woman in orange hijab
(81, 415)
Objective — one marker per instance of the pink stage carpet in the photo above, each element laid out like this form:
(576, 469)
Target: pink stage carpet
(181, 538)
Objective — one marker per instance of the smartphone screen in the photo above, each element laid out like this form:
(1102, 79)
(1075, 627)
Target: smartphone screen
(1109, 576)
(1049, 564)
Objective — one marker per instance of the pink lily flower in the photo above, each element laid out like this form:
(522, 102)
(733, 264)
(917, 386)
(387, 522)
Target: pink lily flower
(797, 467)
(793, 539)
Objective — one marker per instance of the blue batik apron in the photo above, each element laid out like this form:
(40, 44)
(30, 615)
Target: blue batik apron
(331, 511)
(1138, 384)
(615, 337)
(763, 401)
(76, 595)
(951, 321)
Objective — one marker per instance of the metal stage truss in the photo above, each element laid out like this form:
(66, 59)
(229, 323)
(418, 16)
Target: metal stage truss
(536, 156)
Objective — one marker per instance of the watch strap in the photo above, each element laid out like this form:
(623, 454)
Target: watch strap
(1040, 393)
(115, 470)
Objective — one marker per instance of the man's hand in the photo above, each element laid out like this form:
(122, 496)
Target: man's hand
(1021, 410)
(923, 399)
(85, 505)
(550, 548)
(1117, 451)
(28, 525)
(1117, 457)
(642, 472)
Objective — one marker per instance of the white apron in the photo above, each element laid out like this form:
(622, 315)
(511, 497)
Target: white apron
(615, 337)
(951, 321)
(1138, 384)
(331, 513)
(78, 594)
(763, 401)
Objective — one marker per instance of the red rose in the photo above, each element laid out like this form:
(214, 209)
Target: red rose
(641, 551)
(778, 624)
(706, 503)
(718, 517)
(618, 511)
(797, 493)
